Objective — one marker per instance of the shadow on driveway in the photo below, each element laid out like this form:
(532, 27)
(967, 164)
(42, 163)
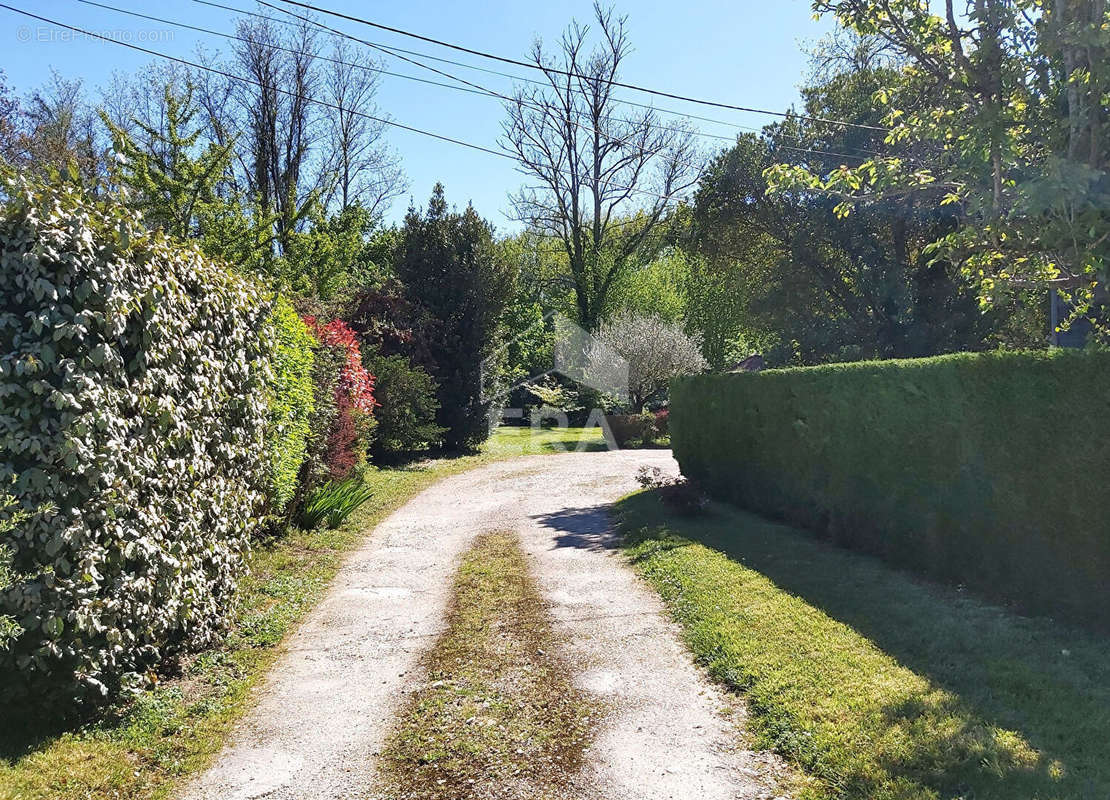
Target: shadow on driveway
(589, 528)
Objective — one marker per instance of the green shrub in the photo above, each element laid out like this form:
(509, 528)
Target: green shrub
(291, 402)
(628, 428)
(133, 425)
(407, 412)
(10, 630)
(984, 469)
(327, 363)
(332, 503)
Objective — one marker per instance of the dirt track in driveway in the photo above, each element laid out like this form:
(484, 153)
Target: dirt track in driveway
(320, 720)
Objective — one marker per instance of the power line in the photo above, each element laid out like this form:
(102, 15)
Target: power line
(241, 79)
(469, 87)
(233, 37)
(550, 70)
(474, 88)
(483, 89)
(393, 51)
(486, 90)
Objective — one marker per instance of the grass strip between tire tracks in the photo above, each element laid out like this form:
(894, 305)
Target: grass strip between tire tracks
(497, 716)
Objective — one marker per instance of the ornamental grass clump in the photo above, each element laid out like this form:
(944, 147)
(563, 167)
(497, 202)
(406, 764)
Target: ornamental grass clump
(134, 376)
(332, 503)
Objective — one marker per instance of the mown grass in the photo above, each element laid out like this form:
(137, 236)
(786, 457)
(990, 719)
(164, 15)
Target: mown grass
(497, 716)
(879, 686)
(525, 440)
(141, 749)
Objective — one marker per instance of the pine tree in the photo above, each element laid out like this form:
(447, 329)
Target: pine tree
(181, 184)
(451, 269)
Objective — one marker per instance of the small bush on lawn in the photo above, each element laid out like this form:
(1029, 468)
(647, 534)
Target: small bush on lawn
(407, 406)
(133, 432)
(332, 503)
(677, 493)
(626, 428)
(292, 403)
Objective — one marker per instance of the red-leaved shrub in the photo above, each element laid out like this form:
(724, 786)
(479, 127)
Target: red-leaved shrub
(662, 422)
(351, 430)
(354, 381)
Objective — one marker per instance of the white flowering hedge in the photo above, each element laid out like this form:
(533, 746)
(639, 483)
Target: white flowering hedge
(133, 436)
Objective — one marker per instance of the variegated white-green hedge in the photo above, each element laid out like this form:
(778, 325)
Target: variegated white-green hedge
(133, 432)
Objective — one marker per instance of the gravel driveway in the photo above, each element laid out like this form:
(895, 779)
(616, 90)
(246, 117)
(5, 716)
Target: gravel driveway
(328, 703)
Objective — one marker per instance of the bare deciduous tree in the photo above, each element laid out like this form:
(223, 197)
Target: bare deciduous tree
(9, 122)
(365, 170)
(607, 174)
(57, 129)
(281, 121)
(136, 103)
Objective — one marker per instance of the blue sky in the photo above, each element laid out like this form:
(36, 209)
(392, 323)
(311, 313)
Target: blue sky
(743, 52)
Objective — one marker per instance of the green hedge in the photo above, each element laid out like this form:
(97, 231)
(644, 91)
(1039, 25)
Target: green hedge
(291, 402)
(990, 470)
(133, 439)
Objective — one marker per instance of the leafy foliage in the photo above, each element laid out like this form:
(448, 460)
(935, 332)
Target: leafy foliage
(809, 287)
(355, 383)
(332, 254)
(658, 287)
(172, 181)
(10, 629)
(1006, 110)
(348, 439)
(389, 324)
(291, 402)
(627, 428)
(316, 470)
(134, 426)
(407, 406)
(530, 340)
(944, 466)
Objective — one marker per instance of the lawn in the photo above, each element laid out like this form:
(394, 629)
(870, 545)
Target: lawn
(525, 440)
(879, 686)
(141, 749)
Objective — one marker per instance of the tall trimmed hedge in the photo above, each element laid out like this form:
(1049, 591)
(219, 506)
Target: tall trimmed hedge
(991, 470)
(291, 402)
(133, 438)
